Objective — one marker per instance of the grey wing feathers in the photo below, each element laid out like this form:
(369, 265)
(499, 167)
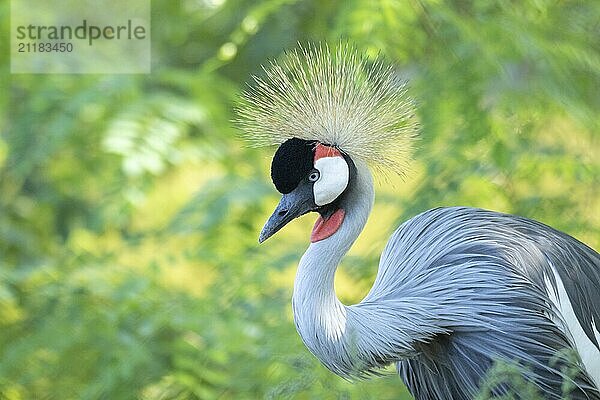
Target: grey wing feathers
(577, 265)
(532, 246)
(488, 273)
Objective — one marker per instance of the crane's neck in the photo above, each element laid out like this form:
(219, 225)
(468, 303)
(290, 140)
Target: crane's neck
(321, 319)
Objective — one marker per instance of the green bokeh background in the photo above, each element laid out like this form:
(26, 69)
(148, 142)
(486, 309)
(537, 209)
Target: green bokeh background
(130, 209)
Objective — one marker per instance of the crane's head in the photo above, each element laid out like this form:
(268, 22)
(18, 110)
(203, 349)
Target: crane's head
(311, 176)
(326, 108)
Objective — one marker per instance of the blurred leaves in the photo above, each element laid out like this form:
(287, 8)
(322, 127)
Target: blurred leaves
(146, 136)
(129, 207)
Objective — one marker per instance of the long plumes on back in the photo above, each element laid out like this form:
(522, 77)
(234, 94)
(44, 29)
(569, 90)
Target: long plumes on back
(337, 97)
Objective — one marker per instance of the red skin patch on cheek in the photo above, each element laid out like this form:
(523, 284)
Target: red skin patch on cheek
(322, 151)
(325, 228)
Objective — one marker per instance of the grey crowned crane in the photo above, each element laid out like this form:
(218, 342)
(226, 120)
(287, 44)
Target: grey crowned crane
(457, 289)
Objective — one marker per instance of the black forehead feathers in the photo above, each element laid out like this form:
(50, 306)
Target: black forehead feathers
(291, 163)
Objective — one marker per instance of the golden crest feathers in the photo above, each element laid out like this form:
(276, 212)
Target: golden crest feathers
(337, 97)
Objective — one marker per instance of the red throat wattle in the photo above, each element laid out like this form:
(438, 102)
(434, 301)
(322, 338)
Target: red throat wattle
(325, 228)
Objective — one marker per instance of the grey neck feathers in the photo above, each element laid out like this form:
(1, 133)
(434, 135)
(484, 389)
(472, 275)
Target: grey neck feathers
(321, 319)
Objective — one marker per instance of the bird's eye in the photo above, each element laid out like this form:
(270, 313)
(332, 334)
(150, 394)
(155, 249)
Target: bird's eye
(314, 176)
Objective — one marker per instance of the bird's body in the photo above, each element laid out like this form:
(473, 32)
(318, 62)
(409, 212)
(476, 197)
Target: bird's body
(513, 262)
(457, 290)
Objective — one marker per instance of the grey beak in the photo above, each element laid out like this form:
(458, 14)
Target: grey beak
(292, 205)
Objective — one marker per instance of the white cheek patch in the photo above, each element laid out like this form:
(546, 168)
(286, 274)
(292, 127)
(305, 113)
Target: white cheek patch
(333, 181)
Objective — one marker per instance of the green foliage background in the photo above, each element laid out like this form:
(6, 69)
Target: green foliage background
(129, 210)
